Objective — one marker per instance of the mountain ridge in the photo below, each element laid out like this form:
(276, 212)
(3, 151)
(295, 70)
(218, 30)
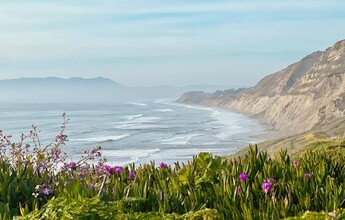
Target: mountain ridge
(85, 90)
(53, 79)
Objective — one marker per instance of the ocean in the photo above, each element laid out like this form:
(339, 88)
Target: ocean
(135, 132)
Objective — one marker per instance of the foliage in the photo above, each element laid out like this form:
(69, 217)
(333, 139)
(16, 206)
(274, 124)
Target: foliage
(256, 187)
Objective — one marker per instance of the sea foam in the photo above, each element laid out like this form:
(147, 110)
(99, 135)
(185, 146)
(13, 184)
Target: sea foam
(102, 138)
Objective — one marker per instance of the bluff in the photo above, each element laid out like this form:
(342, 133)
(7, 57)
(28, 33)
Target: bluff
(304, 96)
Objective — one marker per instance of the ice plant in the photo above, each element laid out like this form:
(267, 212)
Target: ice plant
(163, 165)
(109, 169)
(243, 177)
(266, 187)
(271, 181)
(72, 165)
(118, 169)
(308, 176)
(131, 175)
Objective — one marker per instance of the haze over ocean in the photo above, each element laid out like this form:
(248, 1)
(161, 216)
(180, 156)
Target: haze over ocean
(135, 132)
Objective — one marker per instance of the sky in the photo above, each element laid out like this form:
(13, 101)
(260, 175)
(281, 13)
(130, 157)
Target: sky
(164, 42)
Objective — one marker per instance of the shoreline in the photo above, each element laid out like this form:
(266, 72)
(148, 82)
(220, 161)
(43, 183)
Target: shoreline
(269, 133)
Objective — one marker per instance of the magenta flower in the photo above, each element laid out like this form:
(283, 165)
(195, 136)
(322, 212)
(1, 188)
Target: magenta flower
(271, 181)
(131, 175)
(266, 187)
(243, 177)
(109, 169)
(295, 163)
(72, 165)
(118, 169)
(308, 176)
(163, 165)
(238, 190)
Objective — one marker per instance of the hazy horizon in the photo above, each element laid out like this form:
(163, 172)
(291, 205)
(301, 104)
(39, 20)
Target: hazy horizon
(230, 43)
(97, 77)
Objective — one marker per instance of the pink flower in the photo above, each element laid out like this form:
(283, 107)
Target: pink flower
(268, 184)
(295, 163)
(163, 165)
(118, 169)
(72, 165)
(266, 187)
(131, 175)
(109, 169)
(308, 176)
(243, 177)
(271, 181)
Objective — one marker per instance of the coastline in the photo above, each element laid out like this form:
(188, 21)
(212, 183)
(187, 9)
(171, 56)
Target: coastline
(268, 134)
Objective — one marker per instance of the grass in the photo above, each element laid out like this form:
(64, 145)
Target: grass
(295, 144)
(206, 188)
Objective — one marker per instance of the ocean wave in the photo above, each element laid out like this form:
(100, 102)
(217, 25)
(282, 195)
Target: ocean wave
(102, 138)
(215, 114)
(163, 110)
(134, 155)
(178, 140)
(131, 117)
(138, 121)
(125, 125)
(137, 103)
(185, 105)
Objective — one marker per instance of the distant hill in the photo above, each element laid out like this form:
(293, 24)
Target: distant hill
(55, 81)
(304, 96)
(54, 89)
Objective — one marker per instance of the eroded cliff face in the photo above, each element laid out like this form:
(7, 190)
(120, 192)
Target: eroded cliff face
(303, 96)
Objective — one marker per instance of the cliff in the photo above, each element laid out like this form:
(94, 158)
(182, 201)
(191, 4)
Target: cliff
(218, 98)
(304, 96)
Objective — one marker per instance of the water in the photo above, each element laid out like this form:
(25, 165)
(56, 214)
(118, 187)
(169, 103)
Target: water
(135, 132)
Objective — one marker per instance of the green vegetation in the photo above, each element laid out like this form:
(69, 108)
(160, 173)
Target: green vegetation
(39, 184)
(330, 134)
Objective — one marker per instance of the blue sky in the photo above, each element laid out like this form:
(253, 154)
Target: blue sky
(145, 43)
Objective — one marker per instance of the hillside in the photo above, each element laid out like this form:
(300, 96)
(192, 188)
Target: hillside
(306, 95)
(76, 89)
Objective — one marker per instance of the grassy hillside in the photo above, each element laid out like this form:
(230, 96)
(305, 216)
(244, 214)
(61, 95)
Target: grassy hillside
(256, 187)
(331, 134)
